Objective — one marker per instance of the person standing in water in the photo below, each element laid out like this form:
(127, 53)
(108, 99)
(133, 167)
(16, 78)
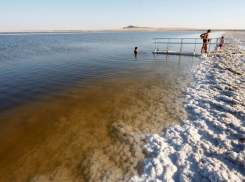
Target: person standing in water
(136, 50)
(205, 37)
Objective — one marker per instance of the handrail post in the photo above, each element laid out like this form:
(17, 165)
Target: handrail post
(169, 45)
(155, 45)
(195, 46)
(181, 47)
(209, 46)
(158, 44)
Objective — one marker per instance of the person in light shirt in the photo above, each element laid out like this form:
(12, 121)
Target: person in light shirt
(222, 41)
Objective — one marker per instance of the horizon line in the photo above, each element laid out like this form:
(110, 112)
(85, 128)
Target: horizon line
(135, 28)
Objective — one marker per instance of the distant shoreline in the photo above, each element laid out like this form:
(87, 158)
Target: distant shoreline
(121, 29)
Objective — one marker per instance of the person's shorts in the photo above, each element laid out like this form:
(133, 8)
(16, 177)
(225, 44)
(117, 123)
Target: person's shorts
(206, 40)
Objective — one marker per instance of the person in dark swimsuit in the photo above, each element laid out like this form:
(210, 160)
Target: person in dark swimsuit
(136, 50)
(205, 42)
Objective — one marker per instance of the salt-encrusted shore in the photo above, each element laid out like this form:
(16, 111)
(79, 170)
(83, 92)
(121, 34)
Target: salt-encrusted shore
(211, 147)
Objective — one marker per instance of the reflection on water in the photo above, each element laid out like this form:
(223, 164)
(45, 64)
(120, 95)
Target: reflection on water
(86, 115)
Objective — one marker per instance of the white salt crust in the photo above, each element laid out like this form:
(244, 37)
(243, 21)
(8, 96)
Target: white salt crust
(212, 146)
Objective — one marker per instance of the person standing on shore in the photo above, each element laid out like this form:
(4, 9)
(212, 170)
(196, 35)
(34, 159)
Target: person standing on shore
(222, 41)
(205, 37)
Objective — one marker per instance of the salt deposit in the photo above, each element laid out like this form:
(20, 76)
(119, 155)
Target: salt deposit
(211, 146)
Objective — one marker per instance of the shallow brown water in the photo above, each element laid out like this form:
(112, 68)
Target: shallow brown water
(83, 110)
(93, 132)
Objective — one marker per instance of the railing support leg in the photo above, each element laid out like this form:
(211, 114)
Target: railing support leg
(209, 44)
(195, 46)
(181, 47)
(169, 45)
(156, 44)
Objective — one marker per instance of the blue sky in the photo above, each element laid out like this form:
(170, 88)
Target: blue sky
(110, 14)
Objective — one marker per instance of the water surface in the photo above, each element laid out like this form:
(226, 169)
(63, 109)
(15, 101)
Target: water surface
(76, 107)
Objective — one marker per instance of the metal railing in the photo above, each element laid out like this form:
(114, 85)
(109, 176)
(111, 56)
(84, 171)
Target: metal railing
(182, 41)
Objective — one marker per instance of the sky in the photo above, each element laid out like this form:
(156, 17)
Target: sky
(113, 14)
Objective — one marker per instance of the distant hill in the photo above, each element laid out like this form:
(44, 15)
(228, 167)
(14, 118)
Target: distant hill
(131, 26)
(128, 28)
